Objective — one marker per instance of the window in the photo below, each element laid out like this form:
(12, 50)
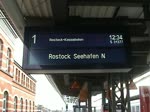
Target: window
(1, 49)
(33, 87)
(137, 109)
(30, 106)
(18, 76)
(133, 109)
(26, 82)
(33, 106)
(8, 60)
(22, 78)
(1, 45)
(30, 84)
(26, 105)
(21, 105)
(15, 104)
(5, 101)
(13, 70)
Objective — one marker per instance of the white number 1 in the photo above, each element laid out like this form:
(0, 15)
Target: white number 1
(34, 37)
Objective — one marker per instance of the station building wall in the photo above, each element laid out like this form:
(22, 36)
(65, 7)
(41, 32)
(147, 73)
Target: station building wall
(17, 89)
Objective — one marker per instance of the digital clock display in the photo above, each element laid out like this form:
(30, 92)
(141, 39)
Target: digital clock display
(116, 39)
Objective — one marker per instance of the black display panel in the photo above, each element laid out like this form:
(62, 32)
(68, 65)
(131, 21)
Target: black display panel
(76, 48)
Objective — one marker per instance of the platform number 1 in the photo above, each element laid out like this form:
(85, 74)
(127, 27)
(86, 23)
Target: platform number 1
(34, 39)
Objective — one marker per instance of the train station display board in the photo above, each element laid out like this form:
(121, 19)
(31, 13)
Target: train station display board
(75, 48)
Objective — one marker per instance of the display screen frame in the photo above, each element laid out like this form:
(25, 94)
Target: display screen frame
(77, 30)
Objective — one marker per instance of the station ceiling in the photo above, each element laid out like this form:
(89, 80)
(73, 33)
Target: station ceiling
(133, 13)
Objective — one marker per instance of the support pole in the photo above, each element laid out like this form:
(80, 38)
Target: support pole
(108, 90)
(146, 10)
(79, 105)
(74, 109)
(103, 97)
(122, 94)
(128, 96)
(89, 98)
(115, 82)
(113, 92)
(94, 109)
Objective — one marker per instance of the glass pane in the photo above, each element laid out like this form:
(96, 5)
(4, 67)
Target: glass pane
(15, 104)
(7, 63)
(4, 103)
(8, 53)
(1, 44)
(21, 105)
(137, 108)
(133, 109)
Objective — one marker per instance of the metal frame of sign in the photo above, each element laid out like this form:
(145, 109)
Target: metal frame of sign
(76, 49)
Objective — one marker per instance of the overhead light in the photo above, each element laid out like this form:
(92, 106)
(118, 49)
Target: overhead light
(83, 95)
(106, 85)
(66, 79)
(132, 85)
(75, 85)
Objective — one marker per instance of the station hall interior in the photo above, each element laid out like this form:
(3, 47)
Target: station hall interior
(128, 21)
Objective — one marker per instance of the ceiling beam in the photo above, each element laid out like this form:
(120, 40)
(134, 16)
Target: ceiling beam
(138, 39)
(139, 70)
(76, 20)
(14, 16)
(87, 21)
(60, 11)
(132, 3)
(139, 60)
(146, 10)
(116, 12)
(39, 22)
(140, 46)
